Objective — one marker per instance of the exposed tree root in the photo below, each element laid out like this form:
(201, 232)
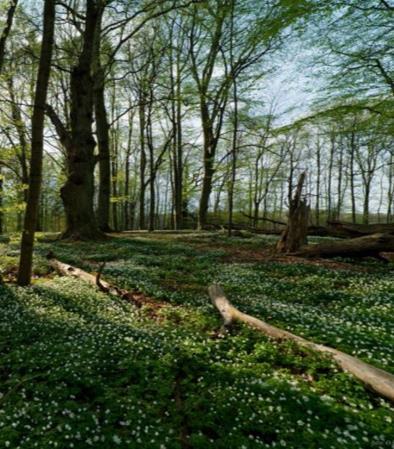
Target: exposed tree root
(375, 379)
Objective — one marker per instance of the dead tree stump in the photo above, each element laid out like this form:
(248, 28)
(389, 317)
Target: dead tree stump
(295, 234)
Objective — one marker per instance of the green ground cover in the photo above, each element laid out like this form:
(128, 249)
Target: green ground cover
(80, 369)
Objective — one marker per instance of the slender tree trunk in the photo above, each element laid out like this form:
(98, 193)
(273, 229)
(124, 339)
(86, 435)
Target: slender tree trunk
(142, 162)
(20, 126)
(367, 192)
(179, 153)
(318, 175)
(104, 158)
(339, 185)
(152, 168)
(352, 176)
(37, 148)
(390, 192)
(330, 171)
(1, 201)
(6, 31)
(127, 203)
(208, 166)
(234, 152)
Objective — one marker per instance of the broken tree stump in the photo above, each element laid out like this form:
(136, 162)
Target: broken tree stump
(295, 234)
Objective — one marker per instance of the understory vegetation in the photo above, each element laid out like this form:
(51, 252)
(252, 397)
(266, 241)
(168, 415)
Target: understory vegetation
(79, 368)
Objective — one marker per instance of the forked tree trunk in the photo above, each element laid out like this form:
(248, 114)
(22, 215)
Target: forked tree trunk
(295, 234)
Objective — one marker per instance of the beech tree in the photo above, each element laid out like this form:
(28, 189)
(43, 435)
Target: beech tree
(37, 144)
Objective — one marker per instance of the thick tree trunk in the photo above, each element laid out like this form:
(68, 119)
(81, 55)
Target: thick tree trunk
(295, 234)
(367, 246)
(78, 192)
(375, 379)
(37, 147)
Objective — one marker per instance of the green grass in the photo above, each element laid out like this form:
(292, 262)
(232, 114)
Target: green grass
(79, 369)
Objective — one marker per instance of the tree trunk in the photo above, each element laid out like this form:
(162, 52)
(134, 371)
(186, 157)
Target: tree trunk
(78, 192)
(295, 234)
(142, 161)
(366, 202)
(37, 147)
(1, 201)
(330, 171)
(352, 175)
(104, 160)
(318, 175)
(6, 31)
(234, 149)
(128, 203)
(209, 171)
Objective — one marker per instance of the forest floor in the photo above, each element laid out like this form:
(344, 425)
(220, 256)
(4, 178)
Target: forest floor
(81, 369)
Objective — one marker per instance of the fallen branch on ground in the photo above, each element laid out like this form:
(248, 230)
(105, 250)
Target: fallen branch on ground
(134, 297)
(375, 379)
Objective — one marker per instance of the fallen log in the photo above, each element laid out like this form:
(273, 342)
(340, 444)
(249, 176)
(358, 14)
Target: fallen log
(367, 246)
(134, 297)
(375, 379)
(350, 230)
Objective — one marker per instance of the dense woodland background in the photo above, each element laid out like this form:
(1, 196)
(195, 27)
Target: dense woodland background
(183, 125)
(219, 125)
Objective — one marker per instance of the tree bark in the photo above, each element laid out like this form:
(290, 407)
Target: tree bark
(78, 192)
(37, 146)
(6, 31)
(1, 201)
(142, 161)
(104, 193)
(295, 234)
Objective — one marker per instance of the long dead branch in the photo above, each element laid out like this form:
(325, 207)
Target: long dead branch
(375, 379)
(134, 297)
